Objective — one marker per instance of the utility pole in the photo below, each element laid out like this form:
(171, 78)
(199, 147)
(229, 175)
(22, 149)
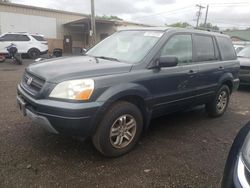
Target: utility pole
(93, 26)
(198, 14)
(205, 23)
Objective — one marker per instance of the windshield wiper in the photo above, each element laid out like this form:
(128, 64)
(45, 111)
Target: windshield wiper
(108, 58)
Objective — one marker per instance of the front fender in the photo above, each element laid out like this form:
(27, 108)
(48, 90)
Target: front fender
(123, 90)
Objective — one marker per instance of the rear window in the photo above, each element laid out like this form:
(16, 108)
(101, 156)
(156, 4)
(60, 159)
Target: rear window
(39, 38)
(226, 48)
(204, 48)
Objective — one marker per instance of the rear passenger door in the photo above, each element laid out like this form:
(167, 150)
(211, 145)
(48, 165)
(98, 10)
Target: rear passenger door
(22, 42)
(206, 55)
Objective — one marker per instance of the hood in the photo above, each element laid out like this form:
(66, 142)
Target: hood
(244, 61)
(61, 69)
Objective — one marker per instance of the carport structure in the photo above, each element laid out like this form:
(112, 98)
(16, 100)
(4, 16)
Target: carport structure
(78, 32)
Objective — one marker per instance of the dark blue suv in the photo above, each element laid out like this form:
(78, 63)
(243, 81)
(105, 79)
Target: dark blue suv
(113, 91)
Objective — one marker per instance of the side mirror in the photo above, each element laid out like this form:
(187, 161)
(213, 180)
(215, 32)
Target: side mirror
(238, 161)
(84, 50)
(167, 61)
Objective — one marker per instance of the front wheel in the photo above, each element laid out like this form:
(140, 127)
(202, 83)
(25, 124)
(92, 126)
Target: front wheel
(119, 131)
(220, 102)
(34, 53)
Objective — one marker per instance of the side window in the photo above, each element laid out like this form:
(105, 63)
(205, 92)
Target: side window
(14, 37)
(8, 37)
(22, 38)
(204, 48)
(38, 38)
(226, 48)
(179, 46)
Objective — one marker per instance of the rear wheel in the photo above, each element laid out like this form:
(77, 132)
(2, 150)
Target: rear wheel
(119, 131)
(220, 102)
(34, 53)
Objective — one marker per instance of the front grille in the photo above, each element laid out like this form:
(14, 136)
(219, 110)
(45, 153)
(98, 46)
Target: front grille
(33, 86)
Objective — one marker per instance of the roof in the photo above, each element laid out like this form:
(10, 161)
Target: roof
(41, 8)
(243, 35)
(164, 29)
(87, 20)
(101, 20)
(23, 33)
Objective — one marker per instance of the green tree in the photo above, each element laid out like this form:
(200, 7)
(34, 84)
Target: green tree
(179, 24)
(111, 17)
(209, 26)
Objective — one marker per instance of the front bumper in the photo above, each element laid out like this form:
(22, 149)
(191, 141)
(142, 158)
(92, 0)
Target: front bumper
(74, 119)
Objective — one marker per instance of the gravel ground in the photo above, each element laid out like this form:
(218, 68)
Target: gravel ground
(185, 149)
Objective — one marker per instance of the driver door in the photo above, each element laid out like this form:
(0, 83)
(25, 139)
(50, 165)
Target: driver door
(175, 87)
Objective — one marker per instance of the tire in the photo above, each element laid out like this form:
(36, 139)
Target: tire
(219, 104)
(113, 126)
(34, 53)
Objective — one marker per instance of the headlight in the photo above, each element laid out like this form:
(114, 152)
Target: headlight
(246, 151)
(74, 89)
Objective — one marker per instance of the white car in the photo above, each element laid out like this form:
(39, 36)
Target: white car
(238, 48)
(32, 44)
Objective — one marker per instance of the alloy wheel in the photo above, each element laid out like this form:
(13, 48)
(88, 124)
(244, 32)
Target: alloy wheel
(123, 131)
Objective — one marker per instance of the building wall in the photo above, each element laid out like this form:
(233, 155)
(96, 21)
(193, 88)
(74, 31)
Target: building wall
(61, 17)
(104, 29)
(27, 23)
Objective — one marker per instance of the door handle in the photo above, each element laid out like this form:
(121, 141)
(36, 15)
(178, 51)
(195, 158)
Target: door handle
(191, 72)
(221, 68)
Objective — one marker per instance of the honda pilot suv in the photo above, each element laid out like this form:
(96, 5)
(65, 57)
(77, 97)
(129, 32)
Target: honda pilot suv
(33, 45)
(112, 92)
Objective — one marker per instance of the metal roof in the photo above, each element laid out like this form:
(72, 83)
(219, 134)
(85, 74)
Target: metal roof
(41, 8)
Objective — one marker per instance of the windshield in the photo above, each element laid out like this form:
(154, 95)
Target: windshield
(126, 46)
(245, 52)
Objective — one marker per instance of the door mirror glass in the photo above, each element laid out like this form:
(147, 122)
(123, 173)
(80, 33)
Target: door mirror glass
(168, 61)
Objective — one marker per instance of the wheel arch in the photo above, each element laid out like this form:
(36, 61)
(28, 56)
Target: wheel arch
(133, 93)
(227, 79)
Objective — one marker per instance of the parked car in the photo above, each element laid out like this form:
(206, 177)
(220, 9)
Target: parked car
(32, 44)
(238, 48)
(114, 90)
(237, 169)
(244, 58)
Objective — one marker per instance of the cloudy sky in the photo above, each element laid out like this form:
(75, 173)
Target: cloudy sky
(226, 14)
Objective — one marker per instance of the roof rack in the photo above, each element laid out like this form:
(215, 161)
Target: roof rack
(209, 30)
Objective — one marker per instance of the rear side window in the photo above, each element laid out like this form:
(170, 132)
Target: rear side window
(22, 38)
(179, 46)
(226, 48)
(204, 48)
(38, 38)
